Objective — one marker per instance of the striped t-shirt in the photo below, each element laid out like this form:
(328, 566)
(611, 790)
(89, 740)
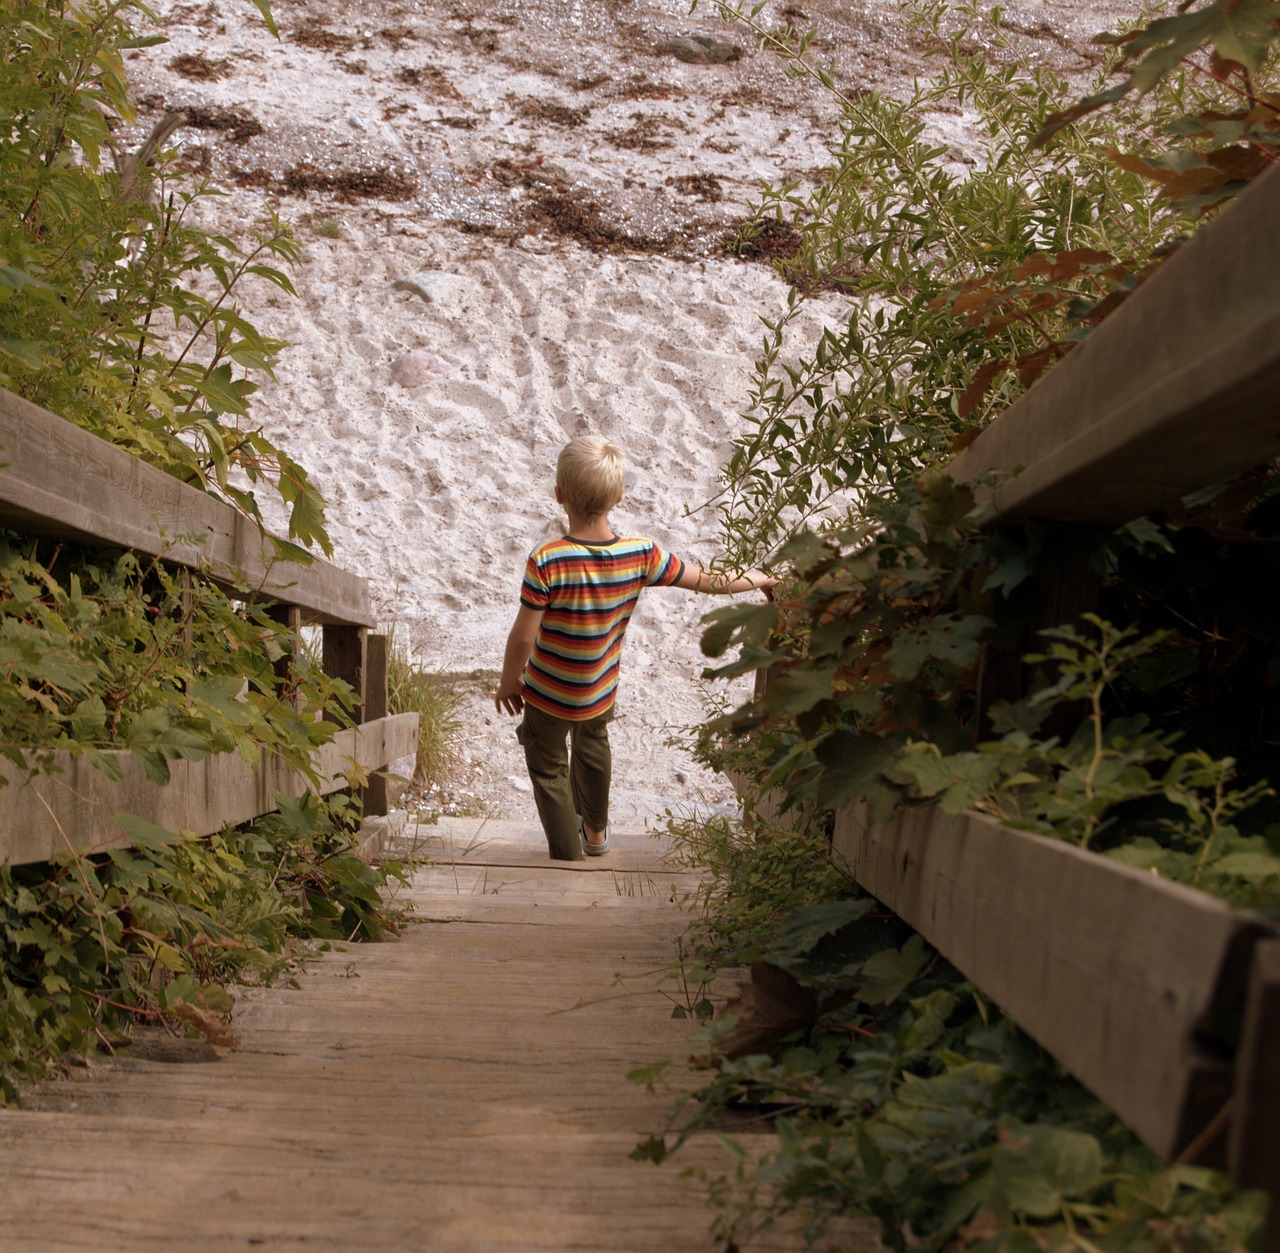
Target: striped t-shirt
(588, 590)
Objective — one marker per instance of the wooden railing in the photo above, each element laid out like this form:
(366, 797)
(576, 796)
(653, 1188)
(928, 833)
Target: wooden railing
(60, 481)
(1125, 978)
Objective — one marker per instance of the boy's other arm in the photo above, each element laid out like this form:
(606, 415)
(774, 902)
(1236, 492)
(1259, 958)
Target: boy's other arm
(509, 697)
(696, 579)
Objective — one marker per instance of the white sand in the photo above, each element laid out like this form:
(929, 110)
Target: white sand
(430, 418)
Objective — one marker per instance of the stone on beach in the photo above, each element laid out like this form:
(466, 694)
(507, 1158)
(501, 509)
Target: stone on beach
(701, 49)
(418, 367)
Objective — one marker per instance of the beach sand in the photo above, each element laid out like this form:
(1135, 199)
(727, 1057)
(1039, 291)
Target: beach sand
(512, 218)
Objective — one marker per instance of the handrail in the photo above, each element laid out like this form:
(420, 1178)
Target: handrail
(1178, 388)
(1125, 978)
(71, 806)
(59, 480)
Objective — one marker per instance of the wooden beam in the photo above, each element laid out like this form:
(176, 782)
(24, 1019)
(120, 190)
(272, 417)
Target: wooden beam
(61, 481)
(376, 658)
(1180, 387)
(1118, 973)
(74, 806)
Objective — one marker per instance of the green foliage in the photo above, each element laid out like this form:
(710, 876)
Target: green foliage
(962, 289)
(1239, 33)
(436, 699)
(117, 311)
(918, 657)
(910, 1098)
(105, 652)
(963, 285)
(749, 881)
(108, 656)
(1124, 742)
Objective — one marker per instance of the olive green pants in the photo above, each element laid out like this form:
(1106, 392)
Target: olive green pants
(570, 767)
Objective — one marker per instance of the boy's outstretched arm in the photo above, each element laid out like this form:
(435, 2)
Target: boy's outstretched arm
(696, 579)
(509, 698)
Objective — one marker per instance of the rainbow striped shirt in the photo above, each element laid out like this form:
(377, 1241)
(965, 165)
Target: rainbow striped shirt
(587, 591)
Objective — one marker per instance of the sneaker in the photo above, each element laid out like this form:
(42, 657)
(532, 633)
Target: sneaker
(593, 850)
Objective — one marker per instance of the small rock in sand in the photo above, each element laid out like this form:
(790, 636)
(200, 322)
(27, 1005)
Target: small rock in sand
(701, 49)
(429, 284)
(418, 367)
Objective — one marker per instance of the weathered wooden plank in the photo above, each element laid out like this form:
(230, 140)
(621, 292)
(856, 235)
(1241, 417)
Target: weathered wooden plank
(1178, 388)
(461, 1090)
(1254, 1154)
(1118, 973)
(76, 808)
(59, 480)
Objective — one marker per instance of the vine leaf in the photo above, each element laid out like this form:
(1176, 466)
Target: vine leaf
(886, 975)
(947, 637)
(1038, 1168)
(984, 376)
(798, 690)
(854, 761)
(1239, 32)
(959, 780)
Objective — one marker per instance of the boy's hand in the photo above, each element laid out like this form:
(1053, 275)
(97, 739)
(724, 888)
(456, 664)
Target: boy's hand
(509, 698)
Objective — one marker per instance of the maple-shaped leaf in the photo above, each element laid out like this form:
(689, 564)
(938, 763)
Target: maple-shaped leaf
(1138, 165)
(1196, 181)
(1240, 31)
(1240, 161)
(1037, 263)
(768, 1009)
(1033, 365)
(977, 293)
(966, 437)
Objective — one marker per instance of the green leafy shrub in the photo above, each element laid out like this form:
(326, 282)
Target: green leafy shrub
(436, 699)
(106, 651)
(961, 291)
(119, 313)
(962, 285)
(1153, 743)
(901, 1093)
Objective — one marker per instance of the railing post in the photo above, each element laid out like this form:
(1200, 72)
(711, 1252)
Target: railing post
(343, 658)
(289, 617)
(1063, 595)
(1254, 1152)
(375, 706)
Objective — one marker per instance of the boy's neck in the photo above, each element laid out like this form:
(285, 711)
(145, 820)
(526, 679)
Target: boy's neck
(596, 529)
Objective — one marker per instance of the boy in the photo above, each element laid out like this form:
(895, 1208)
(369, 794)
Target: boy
(561, 663)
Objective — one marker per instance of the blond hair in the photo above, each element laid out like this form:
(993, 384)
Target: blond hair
(589, 474)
